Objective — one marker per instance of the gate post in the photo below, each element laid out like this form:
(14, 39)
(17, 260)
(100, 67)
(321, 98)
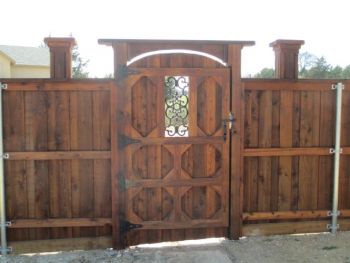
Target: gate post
(60, 56)
(237, 141)
(286, 58)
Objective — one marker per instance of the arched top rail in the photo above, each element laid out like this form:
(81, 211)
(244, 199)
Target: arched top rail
(175, 51)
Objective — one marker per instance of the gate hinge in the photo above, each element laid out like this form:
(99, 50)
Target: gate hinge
(126, 226)
(124, 141)
(3, 86)
(125, 184)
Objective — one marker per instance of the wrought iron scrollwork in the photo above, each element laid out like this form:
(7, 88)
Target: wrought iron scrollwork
(176, 106)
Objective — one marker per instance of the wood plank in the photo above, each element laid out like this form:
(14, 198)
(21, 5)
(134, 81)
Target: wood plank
(59, 222)
(309, 136)
(60, 155)
(300, 151)
(286, 140)
(32, 85)
(82, 170)
(237, 143)
(275, 142)
(36, 124)
(117, 125)
(292, 228)
(265, 137)
(288, 85)
(254, 216)
(59, 170)
(62, 244)
(285, 215)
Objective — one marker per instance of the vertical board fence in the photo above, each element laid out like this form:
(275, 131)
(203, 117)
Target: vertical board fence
(66, 146)
(57, 135)
(288, 166)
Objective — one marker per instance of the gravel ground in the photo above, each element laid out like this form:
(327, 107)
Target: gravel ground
(292, 248)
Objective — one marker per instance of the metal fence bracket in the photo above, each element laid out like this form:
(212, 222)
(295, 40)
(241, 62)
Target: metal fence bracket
(6, 250)
(333, 151)
(330, 213)
(3, 86)
(6, 156)
(339, 84)
(333, 228)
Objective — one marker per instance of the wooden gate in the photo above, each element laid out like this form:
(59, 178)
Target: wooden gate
(173, 149)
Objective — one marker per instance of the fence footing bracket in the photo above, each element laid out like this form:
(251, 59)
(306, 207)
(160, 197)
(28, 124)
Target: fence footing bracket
(331, 227)
(6, 250)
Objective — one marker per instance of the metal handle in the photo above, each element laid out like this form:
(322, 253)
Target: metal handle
(230, 122)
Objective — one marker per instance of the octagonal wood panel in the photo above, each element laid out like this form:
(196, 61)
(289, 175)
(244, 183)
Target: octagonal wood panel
(201, 202)
(152, 204)
(209, 106)
(146, 159)
(201, 160)
(144, 96)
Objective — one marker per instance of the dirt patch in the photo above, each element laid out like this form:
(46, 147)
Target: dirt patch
(293, 248)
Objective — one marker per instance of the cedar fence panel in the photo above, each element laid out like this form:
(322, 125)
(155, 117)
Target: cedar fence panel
(58, 174)
(288, 170)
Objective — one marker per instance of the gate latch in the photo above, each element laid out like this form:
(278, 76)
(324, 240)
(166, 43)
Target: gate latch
(230, 120)
(126, 226)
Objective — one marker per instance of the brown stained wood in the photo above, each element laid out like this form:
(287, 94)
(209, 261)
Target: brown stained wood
(47, 85)
(14, 125)
(62, 244)
(290, 85)
(250, 184)
(60, 155)
(59, 170)
(102, 168)
(81, 125)
(36, 125)
(117, 126)
(285, 163)
(302, 151)
(309, 136)
(237, 142)
(59, 222)
(265, 136)
(291, 228)
(16, 196)
(286, 215)
(60, 194)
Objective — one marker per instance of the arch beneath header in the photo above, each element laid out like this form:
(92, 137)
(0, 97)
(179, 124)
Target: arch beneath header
(175, 51)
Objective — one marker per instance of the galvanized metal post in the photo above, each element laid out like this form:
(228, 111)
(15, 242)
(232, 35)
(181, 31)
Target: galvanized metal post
(3, 222)
(337, 151)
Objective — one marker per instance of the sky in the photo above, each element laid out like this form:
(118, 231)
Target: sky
(324, 25)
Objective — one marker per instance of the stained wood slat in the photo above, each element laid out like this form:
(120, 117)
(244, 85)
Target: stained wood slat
(32, 85)
(290, 85)
(300, 151)
(59, 155)
(59, 222)
(255, 216)
(292, 228)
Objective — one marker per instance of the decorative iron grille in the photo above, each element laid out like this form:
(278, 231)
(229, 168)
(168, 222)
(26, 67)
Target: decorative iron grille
(176, 106)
